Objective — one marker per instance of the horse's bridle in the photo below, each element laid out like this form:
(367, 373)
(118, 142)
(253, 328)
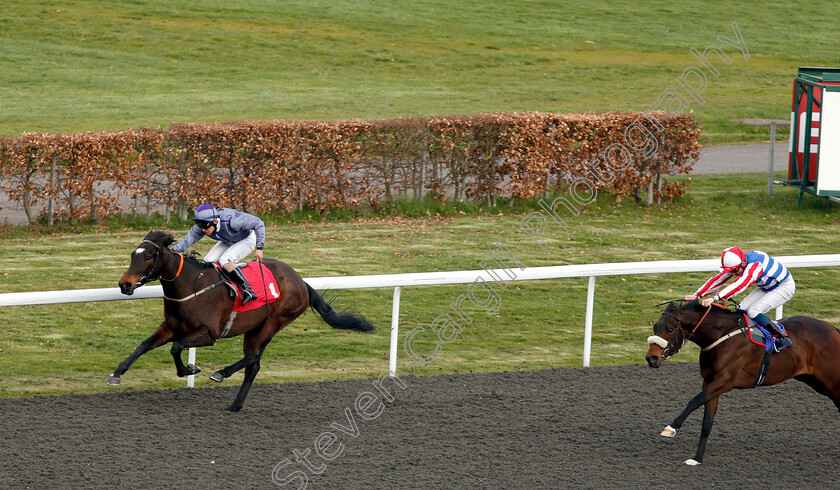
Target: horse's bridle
(671, 348)
(668, 350)
(156, 270)
(157, 267)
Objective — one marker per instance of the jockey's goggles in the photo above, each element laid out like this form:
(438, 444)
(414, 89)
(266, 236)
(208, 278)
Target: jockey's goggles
(205, 224)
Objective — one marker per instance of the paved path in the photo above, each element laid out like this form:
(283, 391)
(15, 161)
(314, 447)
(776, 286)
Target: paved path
(730, 159)
(725, 159)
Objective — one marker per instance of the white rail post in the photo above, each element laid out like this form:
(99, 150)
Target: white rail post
(191, 360)
(395, 334)
(772, 147)
(587, 334)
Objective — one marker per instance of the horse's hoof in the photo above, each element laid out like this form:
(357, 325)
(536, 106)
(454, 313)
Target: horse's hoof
(193, 369)
(233, 408)
(691, 462)
(669, 432)
(217, 377)
(113, 380)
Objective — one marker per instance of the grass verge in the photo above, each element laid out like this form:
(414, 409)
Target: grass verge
(102, 65)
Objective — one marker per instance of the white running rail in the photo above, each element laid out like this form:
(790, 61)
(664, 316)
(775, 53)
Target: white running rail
(398, 281)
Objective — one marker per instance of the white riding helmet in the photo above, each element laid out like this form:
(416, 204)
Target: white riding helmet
(731, 258)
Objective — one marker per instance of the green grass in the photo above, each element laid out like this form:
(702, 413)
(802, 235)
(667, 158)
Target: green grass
(72, 348)
(92, 65)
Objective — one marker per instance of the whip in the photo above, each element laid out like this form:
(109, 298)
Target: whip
(267, 305)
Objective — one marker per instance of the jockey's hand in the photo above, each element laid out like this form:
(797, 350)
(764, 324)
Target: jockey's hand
(258, 254)
(708, 301)
(691, 297)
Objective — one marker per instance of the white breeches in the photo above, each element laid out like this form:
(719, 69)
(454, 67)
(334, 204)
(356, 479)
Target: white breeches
(225, 253)
(760, 301)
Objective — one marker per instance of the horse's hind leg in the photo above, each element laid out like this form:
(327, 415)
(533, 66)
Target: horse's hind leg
(253, 347)
(250, 373)
(252, 367)
(161, 336)
(255, 342)
(198, 338)
(249, 359)
(831, 390)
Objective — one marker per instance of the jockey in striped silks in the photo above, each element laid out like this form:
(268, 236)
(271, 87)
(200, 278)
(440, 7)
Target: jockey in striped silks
(774, 286)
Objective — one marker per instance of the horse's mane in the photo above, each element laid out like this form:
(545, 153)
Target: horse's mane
(161, 238)
(166, 240)
(696, 306)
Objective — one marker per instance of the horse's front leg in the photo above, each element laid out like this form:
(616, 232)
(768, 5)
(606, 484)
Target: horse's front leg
(711, 391)
(708, 420)
(161, 336)
(693, 405)
(709, 396)
(198, 338)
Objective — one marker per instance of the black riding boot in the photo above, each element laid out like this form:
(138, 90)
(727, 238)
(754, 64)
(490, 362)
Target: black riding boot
(239, 279)
(784, 340)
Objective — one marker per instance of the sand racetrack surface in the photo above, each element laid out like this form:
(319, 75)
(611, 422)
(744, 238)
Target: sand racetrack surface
(559, 428)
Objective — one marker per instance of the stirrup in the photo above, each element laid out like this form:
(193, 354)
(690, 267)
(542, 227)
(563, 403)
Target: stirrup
(247, 296)
(784, 343)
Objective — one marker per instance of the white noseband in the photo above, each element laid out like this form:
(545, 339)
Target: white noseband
(656, 339)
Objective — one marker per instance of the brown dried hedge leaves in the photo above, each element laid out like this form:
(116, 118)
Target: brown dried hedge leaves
(280, 165)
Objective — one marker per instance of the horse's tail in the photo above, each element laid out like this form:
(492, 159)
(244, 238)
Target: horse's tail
(335, 319)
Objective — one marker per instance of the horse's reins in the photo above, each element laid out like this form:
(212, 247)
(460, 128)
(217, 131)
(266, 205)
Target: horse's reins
(669, 347)
(725, 337)
(704, 317)
(180, 268)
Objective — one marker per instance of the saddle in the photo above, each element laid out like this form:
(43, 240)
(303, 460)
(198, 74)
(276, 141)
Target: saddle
(263, 284)
(761, 336)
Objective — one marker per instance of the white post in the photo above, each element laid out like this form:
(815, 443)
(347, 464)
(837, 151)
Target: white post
(780, 312)
(587, 335)
(191, 360)
(395, 335)
(770, 171)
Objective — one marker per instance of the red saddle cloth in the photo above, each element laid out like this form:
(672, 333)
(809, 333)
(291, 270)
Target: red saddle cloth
(267, 292)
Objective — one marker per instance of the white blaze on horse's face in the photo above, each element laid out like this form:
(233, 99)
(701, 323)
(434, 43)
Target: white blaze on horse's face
(139, 251)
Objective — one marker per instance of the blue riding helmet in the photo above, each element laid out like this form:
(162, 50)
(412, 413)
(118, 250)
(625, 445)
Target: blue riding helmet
(206, 212)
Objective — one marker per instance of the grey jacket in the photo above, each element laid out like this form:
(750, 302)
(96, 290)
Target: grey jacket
(234, 226)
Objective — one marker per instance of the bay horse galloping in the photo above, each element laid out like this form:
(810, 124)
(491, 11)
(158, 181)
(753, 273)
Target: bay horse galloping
(729, 359)
(197, 306)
